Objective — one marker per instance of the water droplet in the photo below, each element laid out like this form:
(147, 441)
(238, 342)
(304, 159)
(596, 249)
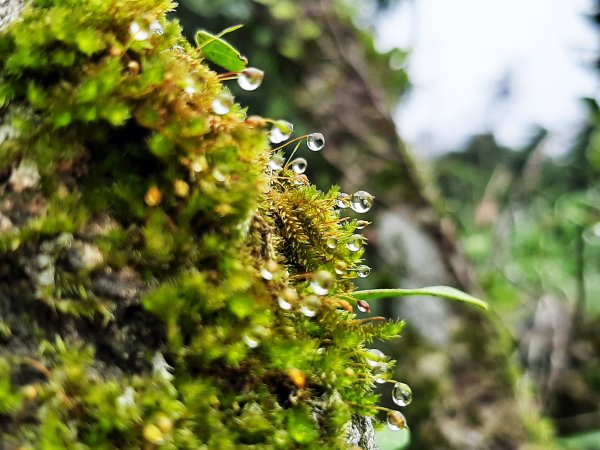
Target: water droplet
(396, 420)
(361, 201)
(331, 243)
(284, 304)
(299, 165)
(315, 141)
(363, 271)
(190, 87)
(363, 306)
(253, 336)
(354, 243)
(281, 131)
(343, 200)
(218, 175)
(157, 28)
(361, 224)
(250, 78)
(138, 32)
(401, 394)
(266, 274)
(199, 164)
(381, 374)
(340, 267)
(276, 162)
(375, 357)
(222, 103)
(310, 306)
(269, 270)
(322, 282)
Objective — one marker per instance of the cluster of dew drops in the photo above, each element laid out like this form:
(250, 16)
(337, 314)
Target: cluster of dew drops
(360, 202)
(401, 392)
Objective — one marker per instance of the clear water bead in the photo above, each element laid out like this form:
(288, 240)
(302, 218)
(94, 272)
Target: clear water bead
(354, 243)
(331, 243)
(396, 420)
(361, 201)
(276, 162)
(222, 103)
(253, 336)
(138, 31)
(315, 141)
(299, 165)
(310, 306)
(381, 374)
(340, 267)
(157, 28)
(190, 86)
(250, 78)
(322, 282)
(284, 304)
(401, 394)
(343, 200)
(281, 131)
(375, 358)
(363, 306)
(361, 224)
(363, 271)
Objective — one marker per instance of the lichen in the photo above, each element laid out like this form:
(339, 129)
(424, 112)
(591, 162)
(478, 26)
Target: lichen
(151, 248)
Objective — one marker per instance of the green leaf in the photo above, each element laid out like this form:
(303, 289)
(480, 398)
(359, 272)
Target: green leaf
(219, 51)
(433, 291)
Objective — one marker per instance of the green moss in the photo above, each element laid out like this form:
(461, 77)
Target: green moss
(120, 126)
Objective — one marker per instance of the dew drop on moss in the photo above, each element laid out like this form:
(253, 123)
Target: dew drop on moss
(361, 224)
(361, 201)
(331, 243)
(381, 373)
(283, 303)
(222, 103)
(401, 394)
(363, 271)
(315, 141)
(299, 165)
(276, 162)
(363, 306)
(280, 131)
(354, 243)
(343, 200)
(190, 86)
(374, 357)
(310, 306)
(138, 31)
(157, 28)
(250, 78)
(396, 420)
(253, 336)
(322, 282)
(340, 267)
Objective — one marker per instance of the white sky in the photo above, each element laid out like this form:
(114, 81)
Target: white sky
(463, 49)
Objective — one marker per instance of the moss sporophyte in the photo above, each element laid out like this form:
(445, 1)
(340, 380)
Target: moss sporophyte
(187, 286)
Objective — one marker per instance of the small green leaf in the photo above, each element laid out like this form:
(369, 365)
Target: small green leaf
(433, 291)
(219, 51)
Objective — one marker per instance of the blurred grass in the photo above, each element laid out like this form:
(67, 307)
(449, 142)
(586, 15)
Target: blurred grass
(583, 441)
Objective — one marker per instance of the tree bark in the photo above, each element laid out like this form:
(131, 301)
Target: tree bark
(9, 11)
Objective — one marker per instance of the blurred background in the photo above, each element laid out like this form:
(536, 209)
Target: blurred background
(476, 125)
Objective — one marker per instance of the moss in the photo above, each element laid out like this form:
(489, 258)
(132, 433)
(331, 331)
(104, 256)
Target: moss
(159, 250)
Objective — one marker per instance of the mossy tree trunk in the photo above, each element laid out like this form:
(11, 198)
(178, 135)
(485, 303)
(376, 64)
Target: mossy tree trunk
(157, 282)
(469, 399)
